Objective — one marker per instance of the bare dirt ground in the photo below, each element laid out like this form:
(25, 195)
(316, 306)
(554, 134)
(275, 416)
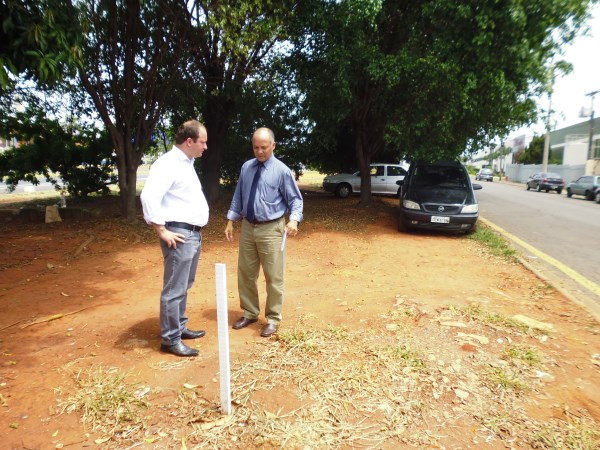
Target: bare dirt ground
(389, 340)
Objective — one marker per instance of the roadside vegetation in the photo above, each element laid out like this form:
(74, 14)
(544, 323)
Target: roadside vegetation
(496, 244)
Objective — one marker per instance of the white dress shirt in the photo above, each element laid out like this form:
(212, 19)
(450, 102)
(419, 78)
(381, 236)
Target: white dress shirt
(173, 191)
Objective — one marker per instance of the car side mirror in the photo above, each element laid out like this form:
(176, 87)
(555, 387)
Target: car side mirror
(400, 182)
(476, 187)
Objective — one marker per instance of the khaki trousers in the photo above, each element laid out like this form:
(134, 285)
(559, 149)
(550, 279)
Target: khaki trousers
(260, 245)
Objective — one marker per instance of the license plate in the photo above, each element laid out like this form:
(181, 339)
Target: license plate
(440, 219)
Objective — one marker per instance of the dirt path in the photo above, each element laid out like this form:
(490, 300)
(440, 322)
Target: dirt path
(388, 340)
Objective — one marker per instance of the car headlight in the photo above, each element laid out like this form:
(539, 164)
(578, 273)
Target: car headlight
(470, 209)
(409, 204)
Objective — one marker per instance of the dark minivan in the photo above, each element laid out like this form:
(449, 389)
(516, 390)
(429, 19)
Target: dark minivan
(438, 196)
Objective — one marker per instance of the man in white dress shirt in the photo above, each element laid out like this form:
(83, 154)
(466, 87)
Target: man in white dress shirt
(174, 204)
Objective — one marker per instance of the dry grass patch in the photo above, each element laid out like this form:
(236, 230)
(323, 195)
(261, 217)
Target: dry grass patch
(334, 388)
(106, 402)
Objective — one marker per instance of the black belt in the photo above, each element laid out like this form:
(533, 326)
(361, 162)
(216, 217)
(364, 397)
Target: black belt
(185, 226)
(259, 222)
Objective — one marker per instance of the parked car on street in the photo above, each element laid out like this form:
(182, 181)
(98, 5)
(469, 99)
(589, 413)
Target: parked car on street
(438, 196)
(485, 174)
(383, 181)
(546, 181)
(587, 185)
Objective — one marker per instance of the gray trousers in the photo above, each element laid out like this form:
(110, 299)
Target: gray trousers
(180, 265)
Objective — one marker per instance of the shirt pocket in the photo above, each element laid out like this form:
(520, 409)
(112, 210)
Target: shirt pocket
(271, 194)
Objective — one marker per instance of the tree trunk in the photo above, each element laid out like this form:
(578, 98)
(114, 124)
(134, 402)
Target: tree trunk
(128, 193)
(127, 170)
(363, 157)
(216, 116)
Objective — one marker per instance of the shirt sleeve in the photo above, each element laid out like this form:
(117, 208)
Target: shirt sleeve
(156, 186)
(293, 197)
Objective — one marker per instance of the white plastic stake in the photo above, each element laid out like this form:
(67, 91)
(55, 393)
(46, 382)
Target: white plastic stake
(282, 247)
(223, 335)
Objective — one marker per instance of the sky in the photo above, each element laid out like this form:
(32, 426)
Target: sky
(569, 90)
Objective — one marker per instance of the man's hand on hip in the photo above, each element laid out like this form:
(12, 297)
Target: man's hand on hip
(168, 236)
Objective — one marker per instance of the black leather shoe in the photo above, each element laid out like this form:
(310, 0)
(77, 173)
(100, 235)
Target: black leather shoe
(191, 334)
(243, 323)
(268, 330)
(179, 349)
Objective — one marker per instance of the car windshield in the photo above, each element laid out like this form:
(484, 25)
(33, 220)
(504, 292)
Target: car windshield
(552, 175)
(439, 176)
(486, 170)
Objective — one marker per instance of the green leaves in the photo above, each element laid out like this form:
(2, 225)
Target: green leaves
(38, 40)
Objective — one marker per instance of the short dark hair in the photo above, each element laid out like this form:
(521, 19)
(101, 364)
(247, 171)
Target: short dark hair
(189, 129)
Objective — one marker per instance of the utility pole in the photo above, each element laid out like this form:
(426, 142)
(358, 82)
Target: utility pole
(547, 136)
(591, 140)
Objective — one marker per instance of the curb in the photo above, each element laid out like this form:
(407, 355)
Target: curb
(591, 306)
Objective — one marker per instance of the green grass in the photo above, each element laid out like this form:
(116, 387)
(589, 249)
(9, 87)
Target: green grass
(404, 353)
(298, 338)
(493, 241)
(505, 379)
(528, 355)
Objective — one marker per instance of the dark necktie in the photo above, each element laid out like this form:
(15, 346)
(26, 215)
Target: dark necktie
(250, 208)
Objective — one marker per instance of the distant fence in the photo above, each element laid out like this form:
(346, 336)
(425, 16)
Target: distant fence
(519, 172)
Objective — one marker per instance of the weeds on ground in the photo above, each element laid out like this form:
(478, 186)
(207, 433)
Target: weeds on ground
(410, 357)
(475, 311)
(528, 355)
(497, 245)
(106, 402)
(504, 379)
(576, 433)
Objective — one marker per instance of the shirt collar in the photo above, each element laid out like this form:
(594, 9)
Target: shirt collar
(181, 155)
(267, 163)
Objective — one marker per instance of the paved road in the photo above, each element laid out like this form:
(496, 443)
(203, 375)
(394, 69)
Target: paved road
(565, 229)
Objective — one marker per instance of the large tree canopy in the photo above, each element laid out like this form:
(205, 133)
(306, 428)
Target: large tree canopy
(132, 54)
(381, 79)
(428, 78)
(231, 44)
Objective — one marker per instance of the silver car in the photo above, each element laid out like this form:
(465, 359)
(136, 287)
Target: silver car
(485, 174)
(587, 185)
(383, 181)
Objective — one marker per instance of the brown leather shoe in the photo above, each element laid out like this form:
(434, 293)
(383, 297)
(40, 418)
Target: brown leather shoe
(268, 330)
(243, 323)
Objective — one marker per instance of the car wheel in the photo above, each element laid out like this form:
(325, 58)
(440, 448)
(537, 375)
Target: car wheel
(598, 196)
(343, 190)
(547, 190)
(528, 187)
(538, 188)
(559, 191)
(569, 193)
